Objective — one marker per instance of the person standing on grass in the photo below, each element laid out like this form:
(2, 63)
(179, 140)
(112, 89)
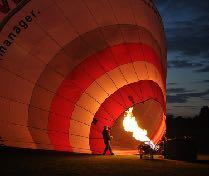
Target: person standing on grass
(107, 138)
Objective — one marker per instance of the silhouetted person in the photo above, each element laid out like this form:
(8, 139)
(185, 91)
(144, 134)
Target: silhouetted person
(107, 138)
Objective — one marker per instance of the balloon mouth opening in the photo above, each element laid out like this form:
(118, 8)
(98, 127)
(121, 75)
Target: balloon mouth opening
(134, 127)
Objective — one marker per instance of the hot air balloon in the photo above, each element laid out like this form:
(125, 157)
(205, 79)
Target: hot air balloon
(68, 68)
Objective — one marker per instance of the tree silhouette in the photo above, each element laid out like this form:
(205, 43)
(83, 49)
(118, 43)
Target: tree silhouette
(196, 127)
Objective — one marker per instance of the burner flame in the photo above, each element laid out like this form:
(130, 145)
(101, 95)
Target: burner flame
(130, 125)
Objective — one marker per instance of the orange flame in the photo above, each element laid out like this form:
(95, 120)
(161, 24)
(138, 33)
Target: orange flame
(130, 125)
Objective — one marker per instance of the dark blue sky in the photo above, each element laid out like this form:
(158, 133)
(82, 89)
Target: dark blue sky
(187, 31)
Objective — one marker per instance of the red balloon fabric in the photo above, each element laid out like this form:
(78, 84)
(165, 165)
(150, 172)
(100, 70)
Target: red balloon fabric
(65, 64)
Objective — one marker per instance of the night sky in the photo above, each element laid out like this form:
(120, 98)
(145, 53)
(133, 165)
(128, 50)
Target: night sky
(187, 31)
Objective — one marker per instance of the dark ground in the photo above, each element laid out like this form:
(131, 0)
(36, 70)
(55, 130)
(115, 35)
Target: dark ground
(56, 164)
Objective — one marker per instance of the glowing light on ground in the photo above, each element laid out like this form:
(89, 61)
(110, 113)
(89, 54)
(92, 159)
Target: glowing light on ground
(130, 125)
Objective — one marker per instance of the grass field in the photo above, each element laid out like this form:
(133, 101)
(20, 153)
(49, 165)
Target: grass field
(49, 164)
